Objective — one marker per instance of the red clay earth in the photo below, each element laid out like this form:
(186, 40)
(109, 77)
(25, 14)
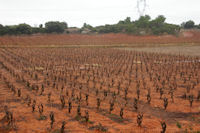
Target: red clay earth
(111, 75)
(101, 39)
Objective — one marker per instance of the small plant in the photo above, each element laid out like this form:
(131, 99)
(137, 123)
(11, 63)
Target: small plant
(19, 92)
(33, 106)
(172, 95)
(52, 119)
(105, 94)
(49, 97)
(6, 112)
(161, 93)
(164, 126)
(86, 99)
(135, 104)
(42, 117)
(114, 95)
(40, 108)
(13, 90)
(79, 110)
(184, 96)
(98, 103)
(125, 93)
(198, 96)
(138, 94)
(62, 88)
(139, 119)
(69, 106)
(72, 94)
(29, 102)
(111, 106)
(42, 90)
(62, 100)
(148, 97)
(27, 84)
(121, 112)
(178, 125)
(80, 96)
(10, 119)
(165, 103)
(62, 130)
(191, 99)
(118, 90)
(190, 127)
(8, 116)
(86, 116)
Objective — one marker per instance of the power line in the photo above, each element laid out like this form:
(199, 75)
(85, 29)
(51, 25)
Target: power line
(141, 6)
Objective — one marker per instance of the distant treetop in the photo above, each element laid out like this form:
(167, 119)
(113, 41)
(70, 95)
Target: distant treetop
(143, 26)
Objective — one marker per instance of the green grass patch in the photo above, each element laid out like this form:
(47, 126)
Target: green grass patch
(178, 125)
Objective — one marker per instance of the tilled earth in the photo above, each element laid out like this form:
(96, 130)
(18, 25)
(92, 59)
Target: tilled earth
(110, 75)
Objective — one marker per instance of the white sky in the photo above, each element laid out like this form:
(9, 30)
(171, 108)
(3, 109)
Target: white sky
(94, 12)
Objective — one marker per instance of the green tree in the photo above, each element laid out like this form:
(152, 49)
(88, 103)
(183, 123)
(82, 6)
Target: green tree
(132, 29)
(1, 26)
(1, 29)
(170, 29)
(55, 26)
(158, 21)
(38, 30)
(41, 26)
(10, 30)
(64, 24)
(127, 20)
(189, 24)
(158, 25)
(121, 22)
(87, 26)
(143, 21)
(198, 26)
(23, 29)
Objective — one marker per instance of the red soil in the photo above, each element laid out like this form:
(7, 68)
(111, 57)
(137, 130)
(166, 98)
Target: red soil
(98, 69)
(102, 39)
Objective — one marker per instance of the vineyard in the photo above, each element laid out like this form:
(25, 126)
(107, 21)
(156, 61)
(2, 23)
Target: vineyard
(59, 90)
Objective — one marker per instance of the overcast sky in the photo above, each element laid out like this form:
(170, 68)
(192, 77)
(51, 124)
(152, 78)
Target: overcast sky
(94, 12)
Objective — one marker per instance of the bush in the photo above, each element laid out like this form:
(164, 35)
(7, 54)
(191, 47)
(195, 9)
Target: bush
(55, 26)
(23, 29)
(189, 24)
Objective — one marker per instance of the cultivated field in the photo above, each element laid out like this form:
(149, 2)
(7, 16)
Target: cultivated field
(108, 40)
(184, 50)
(58, 85)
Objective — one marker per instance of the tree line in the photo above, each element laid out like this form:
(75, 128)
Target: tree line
(143, 26)
(50, 27)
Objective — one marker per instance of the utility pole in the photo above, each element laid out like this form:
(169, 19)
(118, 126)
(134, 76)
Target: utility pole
(141, 7)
